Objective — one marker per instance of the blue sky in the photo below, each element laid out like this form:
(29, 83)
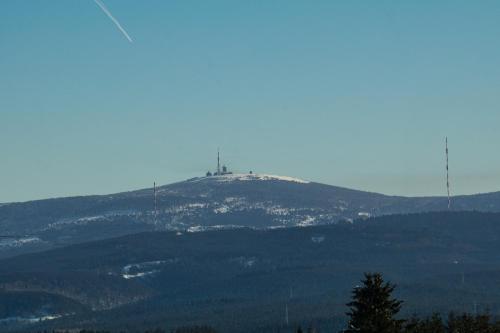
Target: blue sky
(352, 93)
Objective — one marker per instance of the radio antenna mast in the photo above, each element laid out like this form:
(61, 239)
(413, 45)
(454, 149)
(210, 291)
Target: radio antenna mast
(218, 162)
(154, 192)
(286, 314)
(447, 176)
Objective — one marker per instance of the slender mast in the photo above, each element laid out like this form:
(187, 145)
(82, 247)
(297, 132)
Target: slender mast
(286, 314)
(154, 191)
(447, 176)
(218, 162)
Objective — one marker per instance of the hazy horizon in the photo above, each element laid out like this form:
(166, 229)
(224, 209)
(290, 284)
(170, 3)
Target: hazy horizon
(150, 186)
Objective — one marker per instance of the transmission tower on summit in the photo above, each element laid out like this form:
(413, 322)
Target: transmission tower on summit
(218, 162)
(221, 170)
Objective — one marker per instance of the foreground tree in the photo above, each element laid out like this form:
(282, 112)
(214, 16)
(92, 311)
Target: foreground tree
(467, 323)
(373, 309)
(433, 324)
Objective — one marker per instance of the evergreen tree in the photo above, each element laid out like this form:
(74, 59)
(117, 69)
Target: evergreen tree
(434, 324)
(372, 309)
(467, 323)
(412, 325)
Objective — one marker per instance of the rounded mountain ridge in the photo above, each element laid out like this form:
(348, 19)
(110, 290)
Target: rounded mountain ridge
(249, 177)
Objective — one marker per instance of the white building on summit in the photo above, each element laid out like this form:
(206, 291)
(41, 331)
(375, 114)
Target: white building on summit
(220, 171)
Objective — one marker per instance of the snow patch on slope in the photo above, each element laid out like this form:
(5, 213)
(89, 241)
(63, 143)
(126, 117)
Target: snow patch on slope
(85, 220)
(201, 228)
(29, 320)
(308, 221)
(142, 269)
(249, 177)
(19, 242)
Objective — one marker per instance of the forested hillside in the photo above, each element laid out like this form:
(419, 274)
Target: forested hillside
(244, 278)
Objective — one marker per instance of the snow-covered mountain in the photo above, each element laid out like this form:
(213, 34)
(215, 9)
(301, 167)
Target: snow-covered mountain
(206, 203)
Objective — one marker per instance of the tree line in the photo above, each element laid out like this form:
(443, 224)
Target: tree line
(373, 309)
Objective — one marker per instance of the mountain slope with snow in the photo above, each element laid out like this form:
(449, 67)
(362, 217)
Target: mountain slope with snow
(206, 203)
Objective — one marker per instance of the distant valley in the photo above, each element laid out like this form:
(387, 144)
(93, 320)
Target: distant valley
(242, 279)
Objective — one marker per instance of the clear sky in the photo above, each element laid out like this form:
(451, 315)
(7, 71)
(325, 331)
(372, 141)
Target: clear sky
(351, 93)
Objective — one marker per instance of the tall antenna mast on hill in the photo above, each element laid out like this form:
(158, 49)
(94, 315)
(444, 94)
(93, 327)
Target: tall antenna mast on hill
(447, 175)
(154, 192)
(218, 162)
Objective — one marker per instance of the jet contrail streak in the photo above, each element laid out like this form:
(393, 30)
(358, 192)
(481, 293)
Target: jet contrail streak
(112, 18)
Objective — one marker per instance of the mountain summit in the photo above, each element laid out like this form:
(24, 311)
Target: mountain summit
(206, 203)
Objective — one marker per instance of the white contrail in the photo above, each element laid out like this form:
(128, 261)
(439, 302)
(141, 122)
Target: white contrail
(112, 18)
